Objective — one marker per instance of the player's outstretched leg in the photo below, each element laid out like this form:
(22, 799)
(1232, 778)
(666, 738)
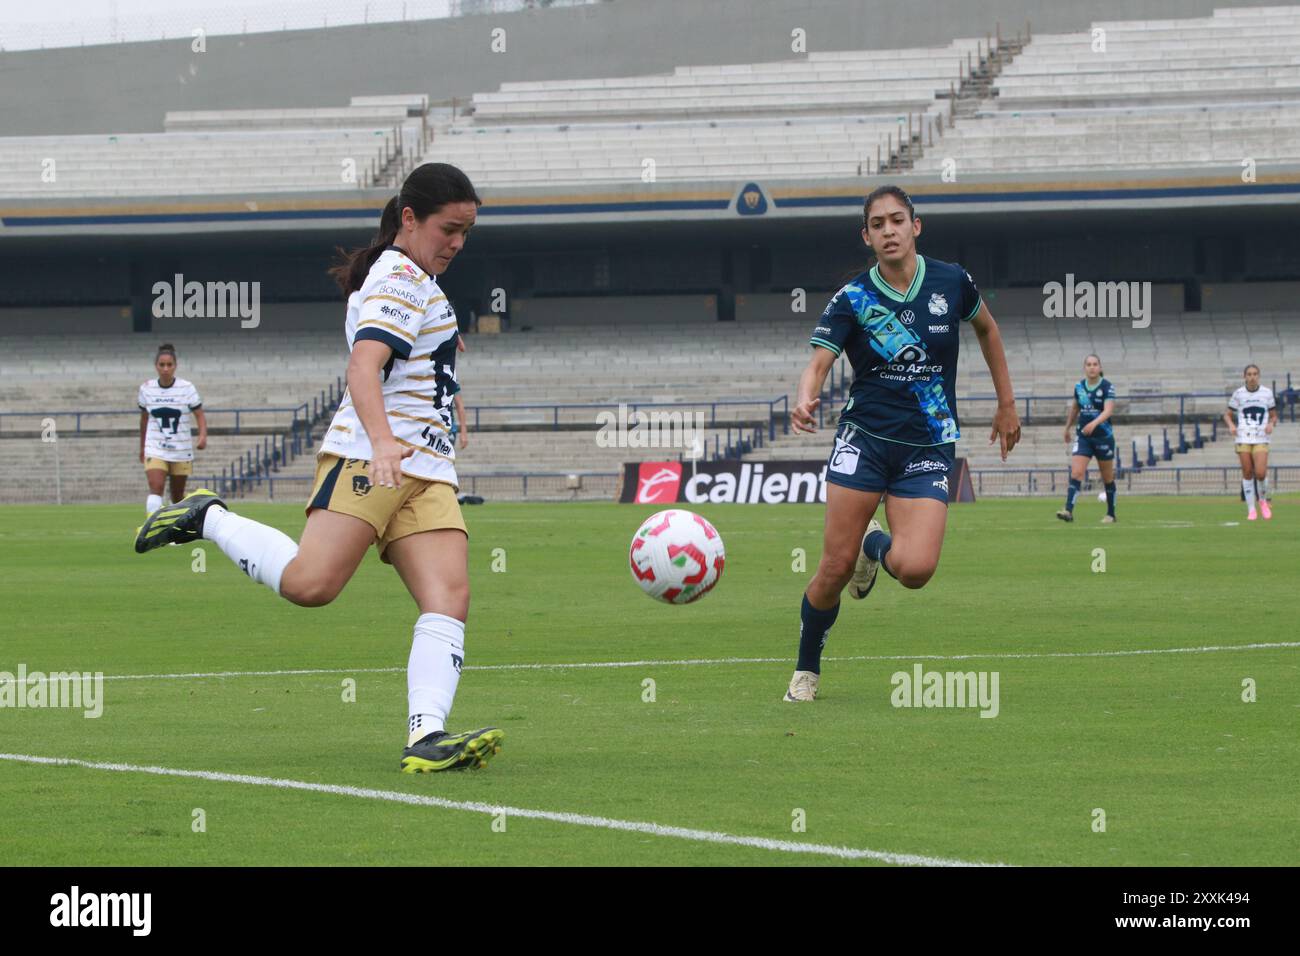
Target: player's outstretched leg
(176, 524)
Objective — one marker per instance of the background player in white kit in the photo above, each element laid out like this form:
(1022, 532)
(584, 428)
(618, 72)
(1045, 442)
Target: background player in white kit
(385, 473)
(166, 446)
(1255, 411)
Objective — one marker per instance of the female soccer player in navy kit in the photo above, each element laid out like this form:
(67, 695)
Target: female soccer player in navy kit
(899, 323)
(1093, 405)
(385, 472)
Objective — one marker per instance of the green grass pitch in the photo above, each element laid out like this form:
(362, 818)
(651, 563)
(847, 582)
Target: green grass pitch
(1186, 772)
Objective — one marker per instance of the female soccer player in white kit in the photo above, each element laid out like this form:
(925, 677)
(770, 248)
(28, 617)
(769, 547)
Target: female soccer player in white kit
(385, 472)
(166, 446)
(1256, 415)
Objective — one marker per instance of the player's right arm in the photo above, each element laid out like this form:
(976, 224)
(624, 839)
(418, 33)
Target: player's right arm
(1229, 414)
(1071, 417)
(365, 367)
(803, 415)
(828, 339)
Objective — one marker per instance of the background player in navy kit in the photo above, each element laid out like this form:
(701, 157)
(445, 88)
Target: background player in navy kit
(899, 324)
(1093, 404)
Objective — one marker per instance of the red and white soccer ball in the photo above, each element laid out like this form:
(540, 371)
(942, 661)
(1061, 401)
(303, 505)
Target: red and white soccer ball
(676, 556)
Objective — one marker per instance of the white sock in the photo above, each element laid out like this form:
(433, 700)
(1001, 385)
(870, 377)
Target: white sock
(1248, 486)
(261, 552)
(432, 673)
(1264, 493)
(152, 504)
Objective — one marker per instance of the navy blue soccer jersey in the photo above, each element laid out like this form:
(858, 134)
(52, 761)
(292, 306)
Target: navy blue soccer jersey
(1092, 402)
(903, 349)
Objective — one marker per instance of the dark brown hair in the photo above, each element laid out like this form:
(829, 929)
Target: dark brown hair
(426, 190)
(165, 349)
(881, 191)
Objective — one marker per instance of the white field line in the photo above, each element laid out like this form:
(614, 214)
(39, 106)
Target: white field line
(572, 819)
(714, 661)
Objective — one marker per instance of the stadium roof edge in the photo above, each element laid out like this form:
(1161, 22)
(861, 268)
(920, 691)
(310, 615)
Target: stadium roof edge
(1061, 190)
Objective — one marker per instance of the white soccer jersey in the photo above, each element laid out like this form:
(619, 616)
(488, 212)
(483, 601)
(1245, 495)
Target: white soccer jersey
(1252, 414)
(169, 410)
(401, 305)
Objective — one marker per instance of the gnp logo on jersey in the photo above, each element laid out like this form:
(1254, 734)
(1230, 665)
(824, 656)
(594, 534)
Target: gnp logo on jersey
(658, 482)
(938, 304)
(751, 201)
(844, 460)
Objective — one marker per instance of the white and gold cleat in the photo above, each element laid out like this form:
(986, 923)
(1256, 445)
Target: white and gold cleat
(803, 686)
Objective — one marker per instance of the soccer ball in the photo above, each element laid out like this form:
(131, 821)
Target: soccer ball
(676, 556)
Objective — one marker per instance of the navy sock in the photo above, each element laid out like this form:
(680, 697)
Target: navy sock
(876, 546)
(1075, 485)
(814, 628)
(1110, 498)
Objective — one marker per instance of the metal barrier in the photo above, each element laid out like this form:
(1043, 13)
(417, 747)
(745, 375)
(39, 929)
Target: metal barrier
(1199, 480)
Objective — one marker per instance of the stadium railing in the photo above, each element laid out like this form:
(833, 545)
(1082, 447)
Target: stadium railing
(130, 418)
(1201, 479)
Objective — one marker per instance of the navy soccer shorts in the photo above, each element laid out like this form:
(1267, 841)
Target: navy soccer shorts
(1093, 446)
(866, 463)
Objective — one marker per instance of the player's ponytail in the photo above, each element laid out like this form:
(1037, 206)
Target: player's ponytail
(427, 189)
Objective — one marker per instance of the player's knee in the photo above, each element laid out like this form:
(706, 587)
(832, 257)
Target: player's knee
(315, 593)
(913, 575)
(837, 568)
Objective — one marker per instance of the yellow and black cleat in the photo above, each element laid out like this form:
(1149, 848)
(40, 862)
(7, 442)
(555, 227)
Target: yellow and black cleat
(175, 524)
(444, 751)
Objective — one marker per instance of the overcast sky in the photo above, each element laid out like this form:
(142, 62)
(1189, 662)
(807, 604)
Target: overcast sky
(25, 25)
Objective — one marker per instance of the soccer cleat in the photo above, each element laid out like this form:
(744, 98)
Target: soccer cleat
(1265, 511)
(1065, 515)
(444, 751)
(803, 686)
(175, 524)
(1107, 519)
(864, 571)
(1250, 515)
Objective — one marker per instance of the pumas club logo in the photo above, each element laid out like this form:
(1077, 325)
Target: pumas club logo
(360, 485)
(938, 304)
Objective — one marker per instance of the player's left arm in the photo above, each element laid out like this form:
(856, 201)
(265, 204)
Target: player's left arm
(1272, 419)
(1006, 423)
(202, 421)
(1107, 409)
(461, 421)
